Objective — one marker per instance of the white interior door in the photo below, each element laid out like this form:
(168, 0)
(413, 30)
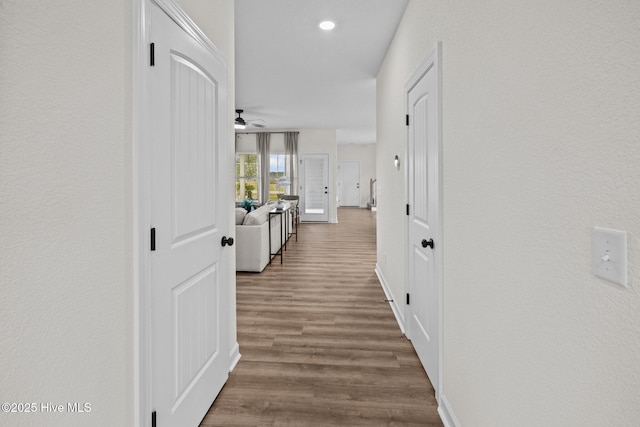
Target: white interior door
(314, 187)
(189, 279)
(349, 183)
(424, 219)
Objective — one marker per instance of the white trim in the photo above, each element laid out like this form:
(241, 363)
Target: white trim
(394, 308)
(446, 413)
(141, 203)
(234, 357)
(182, 19)
(141, 177)
(432, 61)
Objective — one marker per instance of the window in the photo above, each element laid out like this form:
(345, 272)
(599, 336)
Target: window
(247, 176)
(248, 170)
(279, 182)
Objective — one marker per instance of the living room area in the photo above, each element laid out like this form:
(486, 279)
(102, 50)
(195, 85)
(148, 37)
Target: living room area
(286, 178)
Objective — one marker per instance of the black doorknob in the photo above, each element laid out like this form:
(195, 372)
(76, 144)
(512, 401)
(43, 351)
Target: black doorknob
(426, 243)
(227, 241)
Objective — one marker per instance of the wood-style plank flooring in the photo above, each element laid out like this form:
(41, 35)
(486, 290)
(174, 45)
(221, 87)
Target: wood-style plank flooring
(319, 344)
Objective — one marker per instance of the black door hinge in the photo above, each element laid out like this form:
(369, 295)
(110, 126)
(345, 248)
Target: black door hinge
(153, 239)
(152, 54)
(407, 209)
(407, 299)
(407, 120)
(153, 419)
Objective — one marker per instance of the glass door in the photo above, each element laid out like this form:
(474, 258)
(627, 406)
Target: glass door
(314, 186)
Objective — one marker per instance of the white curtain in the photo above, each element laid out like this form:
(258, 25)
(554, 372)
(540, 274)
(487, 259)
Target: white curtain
(262, 147)
(291, 158)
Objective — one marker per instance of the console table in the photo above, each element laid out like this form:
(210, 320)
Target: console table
(283, 213)
(294, 212)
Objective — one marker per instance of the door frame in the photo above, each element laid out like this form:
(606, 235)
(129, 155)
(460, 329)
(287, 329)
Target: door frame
(433, 61)
(141, 199)
(340, 163)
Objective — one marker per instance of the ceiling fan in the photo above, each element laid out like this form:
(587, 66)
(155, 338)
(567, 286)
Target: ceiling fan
(241, 123)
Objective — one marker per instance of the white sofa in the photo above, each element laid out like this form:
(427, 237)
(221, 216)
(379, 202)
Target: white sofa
(252, 238)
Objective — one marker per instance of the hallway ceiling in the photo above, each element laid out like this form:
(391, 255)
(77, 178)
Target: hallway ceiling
(294, 75)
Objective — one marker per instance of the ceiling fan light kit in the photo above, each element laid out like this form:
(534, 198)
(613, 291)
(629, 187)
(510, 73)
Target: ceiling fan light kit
(241, 123)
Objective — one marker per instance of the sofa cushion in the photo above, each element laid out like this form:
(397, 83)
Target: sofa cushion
(240, 214)
(257, 217)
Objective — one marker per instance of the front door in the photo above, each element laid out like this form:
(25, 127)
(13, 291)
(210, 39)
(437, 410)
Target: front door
(349, 183)
(424, 241)
(314, 184)
(189, 272)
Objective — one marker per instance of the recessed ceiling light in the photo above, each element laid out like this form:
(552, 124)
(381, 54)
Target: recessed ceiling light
(327, 25)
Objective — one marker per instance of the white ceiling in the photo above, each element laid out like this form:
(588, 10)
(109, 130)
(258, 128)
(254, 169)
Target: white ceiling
(294, 75)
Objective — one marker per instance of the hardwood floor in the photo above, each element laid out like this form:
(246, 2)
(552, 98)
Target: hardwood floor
(319, 344)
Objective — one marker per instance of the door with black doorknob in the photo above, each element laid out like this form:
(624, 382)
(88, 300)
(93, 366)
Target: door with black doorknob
(189, 277)
(424, 248)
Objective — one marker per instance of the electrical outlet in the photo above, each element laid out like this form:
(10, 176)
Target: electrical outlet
(610, 255)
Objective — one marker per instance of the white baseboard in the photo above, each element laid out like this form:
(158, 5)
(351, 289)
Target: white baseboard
(446, 413)
(392, 301)
(234, 357)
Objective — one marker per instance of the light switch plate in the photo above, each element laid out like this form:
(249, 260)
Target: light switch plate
(610, 255)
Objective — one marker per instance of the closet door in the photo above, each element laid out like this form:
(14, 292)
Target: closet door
(189, 274)
(349, 183)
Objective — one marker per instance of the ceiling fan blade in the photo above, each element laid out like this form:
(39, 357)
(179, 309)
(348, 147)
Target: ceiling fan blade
(254, 123)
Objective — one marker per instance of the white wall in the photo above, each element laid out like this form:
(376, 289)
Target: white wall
(541, 128)
(246, 142)
(366, 155)
(66, 210)
(66, 220)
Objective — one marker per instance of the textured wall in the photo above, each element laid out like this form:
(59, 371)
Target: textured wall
(390, 185)
(65, 217)
(541, 129)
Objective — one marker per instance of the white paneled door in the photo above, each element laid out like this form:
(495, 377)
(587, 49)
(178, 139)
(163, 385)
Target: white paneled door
(349, 183)
(424, 218)
(314, 187)
(189, 295)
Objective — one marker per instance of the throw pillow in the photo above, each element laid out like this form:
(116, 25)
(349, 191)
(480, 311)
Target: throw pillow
(257, 217)
(240, 214)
